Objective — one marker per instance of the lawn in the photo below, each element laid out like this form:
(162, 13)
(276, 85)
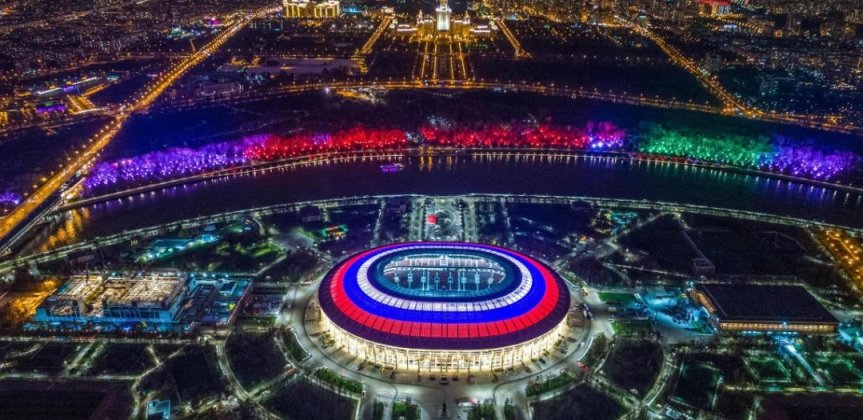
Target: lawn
(164, 350)
(254, 358)
(549, 384)
(663, 240)
(840, 372)
(405, 410)
(581, 403)
(236, 253)
(12, 349)
(734, 405)
(631, 328)
(44, 404)
(634, 364)
(596, 351)
(297, 351)
(297, 266)
(855, 359)
(195, 374)
(305, 400)
(696, 385)
(616, 298)
(50, 359)
(339, 382)
(816, 406)
(732, 368)
(769, 370)
(122, 359)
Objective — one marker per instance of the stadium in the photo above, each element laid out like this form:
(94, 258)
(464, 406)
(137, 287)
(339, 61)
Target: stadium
(443, 307)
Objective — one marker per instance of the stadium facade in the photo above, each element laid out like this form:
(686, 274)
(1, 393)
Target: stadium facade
(443, 307)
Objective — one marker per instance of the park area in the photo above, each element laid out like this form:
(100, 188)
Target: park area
(635, 328)
(616, 298)
(50, 359)
(768, 370)
(339, 382)
(810, 406)
(633, 365)
(66, 401)
(48, 404)
(406, 410)
(294, 347)
(194, 374)
(254, 357)
(581, 403)
(697, 385)
(122, 359)
(839, 370)
(305, 400)
(550, 383)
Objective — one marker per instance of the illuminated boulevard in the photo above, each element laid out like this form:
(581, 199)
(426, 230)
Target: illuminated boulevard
(65, 251)
(382, 386)
(141, 103)
(90, 151)
(431, 210)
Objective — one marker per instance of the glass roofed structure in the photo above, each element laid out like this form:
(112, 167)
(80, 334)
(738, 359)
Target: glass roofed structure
(443, 307)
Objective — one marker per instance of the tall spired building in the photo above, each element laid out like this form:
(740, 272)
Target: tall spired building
(311, 9)
(443, 16)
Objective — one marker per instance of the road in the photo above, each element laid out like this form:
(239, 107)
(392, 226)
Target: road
(428, 395)
(90, 151)
(444, 84)
(151, 231)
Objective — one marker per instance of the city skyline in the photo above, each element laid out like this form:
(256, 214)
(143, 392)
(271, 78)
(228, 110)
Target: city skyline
(431, 209)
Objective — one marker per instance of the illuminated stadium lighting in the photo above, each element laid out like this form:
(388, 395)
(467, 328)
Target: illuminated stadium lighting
(443, 307)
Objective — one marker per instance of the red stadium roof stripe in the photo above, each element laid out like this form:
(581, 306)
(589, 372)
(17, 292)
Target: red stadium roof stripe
(483, 318)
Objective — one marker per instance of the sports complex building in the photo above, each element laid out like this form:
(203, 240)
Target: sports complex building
(443, 307)
(742, 308)
(158, 301)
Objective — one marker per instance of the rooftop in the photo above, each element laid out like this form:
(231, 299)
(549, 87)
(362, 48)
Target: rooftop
(524, 300)
(96, 289)
(748, 302)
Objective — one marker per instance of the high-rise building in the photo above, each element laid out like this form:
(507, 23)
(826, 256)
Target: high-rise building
(443, 16)
(714, 7)
(299, 9)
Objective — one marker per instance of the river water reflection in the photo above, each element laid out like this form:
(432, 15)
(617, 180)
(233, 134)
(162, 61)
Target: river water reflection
(584, 176)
